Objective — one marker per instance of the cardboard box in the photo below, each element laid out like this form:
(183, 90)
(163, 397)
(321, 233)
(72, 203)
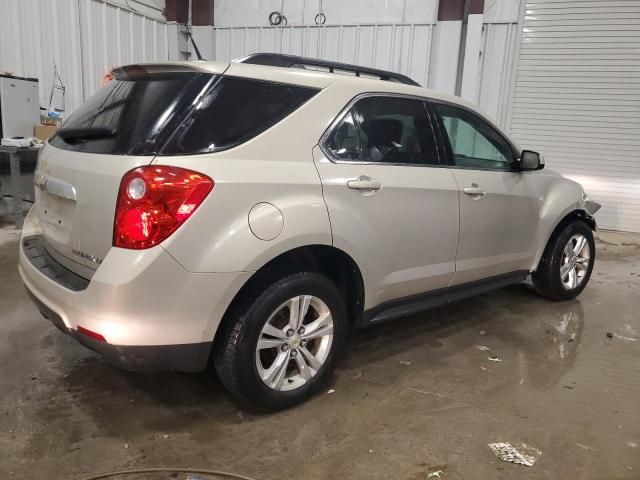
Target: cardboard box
(44, 132)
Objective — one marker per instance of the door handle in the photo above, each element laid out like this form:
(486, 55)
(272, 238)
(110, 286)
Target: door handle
(365, 183)
(475, 191)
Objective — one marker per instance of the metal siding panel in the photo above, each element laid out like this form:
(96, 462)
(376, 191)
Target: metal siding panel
(252, 13)
(383, 50)
(312, 42)
(204, 37)
(296, 40)
(400, 47)
(62, 46)
(35, 34)
(349, 44)
(577, 98)
(497, 50)
(501, 10)
(421, 53)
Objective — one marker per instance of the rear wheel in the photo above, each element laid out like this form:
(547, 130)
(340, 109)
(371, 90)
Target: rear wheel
(567, 262)
(279, 350)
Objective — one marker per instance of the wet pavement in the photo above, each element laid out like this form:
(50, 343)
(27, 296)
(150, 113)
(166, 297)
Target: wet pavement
(413, 397)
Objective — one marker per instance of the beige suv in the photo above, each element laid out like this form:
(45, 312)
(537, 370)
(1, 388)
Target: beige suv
(246, 215)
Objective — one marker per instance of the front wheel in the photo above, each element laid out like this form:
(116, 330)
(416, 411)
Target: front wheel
(281, 348)
(567, 262)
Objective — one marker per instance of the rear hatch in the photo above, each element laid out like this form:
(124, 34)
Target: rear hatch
(75, 204)
(120, 128)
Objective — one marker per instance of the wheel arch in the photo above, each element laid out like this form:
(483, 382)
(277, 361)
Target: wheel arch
(571, 215)
(327, 260)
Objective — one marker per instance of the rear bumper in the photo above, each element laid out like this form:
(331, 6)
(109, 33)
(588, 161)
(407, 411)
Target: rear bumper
(153, 314)
(190, 357)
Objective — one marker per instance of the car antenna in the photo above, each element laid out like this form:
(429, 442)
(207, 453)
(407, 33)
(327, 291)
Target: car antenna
(193, 42)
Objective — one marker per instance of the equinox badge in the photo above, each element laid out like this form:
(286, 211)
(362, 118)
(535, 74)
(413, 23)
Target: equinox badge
(86, 256)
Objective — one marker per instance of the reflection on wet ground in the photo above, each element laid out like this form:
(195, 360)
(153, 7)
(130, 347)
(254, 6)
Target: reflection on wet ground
(412, 397)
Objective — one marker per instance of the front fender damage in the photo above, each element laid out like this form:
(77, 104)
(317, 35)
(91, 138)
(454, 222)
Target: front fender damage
(591, 207)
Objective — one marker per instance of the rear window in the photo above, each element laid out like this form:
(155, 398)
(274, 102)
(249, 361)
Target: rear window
(177, 114)
(137, 110)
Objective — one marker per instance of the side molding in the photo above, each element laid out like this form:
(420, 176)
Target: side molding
(418, 303)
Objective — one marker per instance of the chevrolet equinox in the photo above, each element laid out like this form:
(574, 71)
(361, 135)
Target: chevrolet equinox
(246, 215)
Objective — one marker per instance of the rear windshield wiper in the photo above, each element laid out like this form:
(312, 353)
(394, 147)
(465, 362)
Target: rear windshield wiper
(85, 133)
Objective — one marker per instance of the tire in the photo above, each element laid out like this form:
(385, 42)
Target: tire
(551, 279)
(241, 367)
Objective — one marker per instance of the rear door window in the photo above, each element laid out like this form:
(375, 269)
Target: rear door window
(380, 129)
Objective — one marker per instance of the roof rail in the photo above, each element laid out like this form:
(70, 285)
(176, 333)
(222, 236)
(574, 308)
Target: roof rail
(293, 61)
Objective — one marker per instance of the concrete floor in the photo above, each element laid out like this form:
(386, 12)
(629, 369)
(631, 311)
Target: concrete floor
(563, 387)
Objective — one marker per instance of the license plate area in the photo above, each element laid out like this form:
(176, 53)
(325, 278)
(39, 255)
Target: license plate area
(55, 215)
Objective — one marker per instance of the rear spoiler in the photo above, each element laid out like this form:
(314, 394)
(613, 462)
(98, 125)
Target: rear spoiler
(145, 70)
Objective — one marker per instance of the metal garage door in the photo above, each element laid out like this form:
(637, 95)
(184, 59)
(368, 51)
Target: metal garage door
(577, 98)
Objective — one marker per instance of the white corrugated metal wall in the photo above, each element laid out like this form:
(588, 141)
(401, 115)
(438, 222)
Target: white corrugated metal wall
(405, 48)
(84, 38)
(577, 98)
(253, 13)
(496, 67)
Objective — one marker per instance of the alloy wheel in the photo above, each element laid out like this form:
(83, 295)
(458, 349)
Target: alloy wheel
(294, 343)
(576, 258)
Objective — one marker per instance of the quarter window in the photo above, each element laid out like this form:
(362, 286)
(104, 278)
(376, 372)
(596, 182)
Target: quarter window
(474, 143)
(384, 130)
(235, 110)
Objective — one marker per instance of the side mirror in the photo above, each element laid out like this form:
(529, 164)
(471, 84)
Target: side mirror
(530, 160)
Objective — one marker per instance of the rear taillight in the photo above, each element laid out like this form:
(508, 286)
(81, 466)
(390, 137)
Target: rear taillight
(153, 201)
